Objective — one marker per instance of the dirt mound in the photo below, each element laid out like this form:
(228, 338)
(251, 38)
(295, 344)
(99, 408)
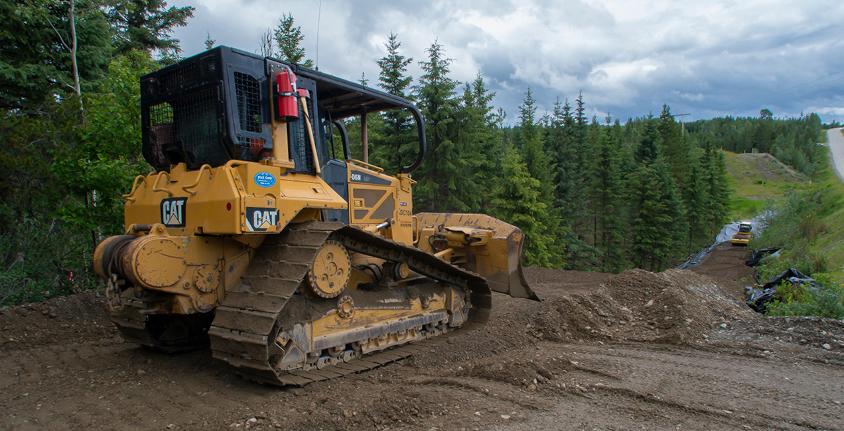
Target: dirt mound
(674, 306)
(80, 317)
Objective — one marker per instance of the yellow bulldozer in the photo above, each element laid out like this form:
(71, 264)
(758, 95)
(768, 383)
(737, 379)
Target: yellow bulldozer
(259, 234)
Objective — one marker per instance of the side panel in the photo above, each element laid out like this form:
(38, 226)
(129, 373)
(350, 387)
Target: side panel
(375, 198)
(238, 198)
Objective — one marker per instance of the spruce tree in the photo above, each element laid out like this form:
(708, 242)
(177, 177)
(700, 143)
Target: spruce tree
(517, 200)
(648, 148)
(608, 203)
(674, 145)
(656, 208)
(527, 119)
(443, 179)
(533, 148)
(650, 223)
(392, 151)
(479, 141)
(145, 25)
(696, 198)
(288, 38)
(714, 179)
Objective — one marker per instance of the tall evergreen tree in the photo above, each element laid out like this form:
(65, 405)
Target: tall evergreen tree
(648, 149)
(288, 38)
(674, 145)
(518, 201)
(656, 208)
(392, 150)
(479, 141)
(35, 63)
(527, 119)
(714, 179)
(696, 199)
(608, 203)
(443, 174)
(533, 148)
(146, 24)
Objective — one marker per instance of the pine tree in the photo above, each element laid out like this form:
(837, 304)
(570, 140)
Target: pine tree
(288, 38)
(392, 151)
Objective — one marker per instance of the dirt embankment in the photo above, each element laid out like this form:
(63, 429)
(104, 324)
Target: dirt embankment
(636, 350)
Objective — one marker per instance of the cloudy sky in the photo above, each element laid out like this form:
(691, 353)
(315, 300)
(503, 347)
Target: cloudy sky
(628, 57)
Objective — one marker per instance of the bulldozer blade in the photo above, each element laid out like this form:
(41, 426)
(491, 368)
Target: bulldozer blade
(495, 255)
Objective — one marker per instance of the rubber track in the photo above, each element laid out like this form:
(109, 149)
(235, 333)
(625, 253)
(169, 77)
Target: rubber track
(240, 333)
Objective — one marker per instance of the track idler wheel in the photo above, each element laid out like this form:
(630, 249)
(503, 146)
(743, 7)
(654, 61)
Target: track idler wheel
(331, 270)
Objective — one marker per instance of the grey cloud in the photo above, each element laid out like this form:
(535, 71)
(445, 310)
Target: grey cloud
(627, 56)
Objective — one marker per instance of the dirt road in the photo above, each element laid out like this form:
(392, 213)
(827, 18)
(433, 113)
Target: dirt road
(637, 350)
(835, 141)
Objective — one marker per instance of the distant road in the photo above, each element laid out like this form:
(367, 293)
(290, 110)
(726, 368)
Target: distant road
(836, 148)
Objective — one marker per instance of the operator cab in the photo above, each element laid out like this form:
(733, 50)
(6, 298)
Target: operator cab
(224, 104)
(745, 227)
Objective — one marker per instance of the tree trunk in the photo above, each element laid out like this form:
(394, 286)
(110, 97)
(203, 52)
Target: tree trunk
(73, 49)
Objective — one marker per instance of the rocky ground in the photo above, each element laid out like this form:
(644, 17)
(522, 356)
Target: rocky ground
(637, 350)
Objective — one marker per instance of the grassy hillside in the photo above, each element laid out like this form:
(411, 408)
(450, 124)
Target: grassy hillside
(756, 180)
(809, 226)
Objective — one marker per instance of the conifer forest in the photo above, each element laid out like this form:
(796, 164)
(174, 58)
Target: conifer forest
(596, 194)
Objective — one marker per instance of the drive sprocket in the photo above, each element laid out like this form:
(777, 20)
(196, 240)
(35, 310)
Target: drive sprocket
(331, 270)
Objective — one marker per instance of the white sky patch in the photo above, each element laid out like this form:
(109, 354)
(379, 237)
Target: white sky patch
(627, 56)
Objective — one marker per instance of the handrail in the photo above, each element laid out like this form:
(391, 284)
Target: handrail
(155, 184)
(135, 183)
(367, 165)
(423, 144)
(198, 179)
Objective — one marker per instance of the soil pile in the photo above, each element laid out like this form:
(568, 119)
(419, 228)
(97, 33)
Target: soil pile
(55, 321)
(675, 306)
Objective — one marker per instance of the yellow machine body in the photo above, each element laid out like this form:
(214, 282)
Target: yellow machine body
(288, 269)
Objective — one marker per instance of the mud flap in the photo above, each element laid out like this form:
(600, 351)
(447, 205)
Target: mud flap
(497, 257)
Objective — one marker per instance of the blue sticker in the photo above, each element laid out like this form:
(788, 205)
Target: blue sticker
(264, 179)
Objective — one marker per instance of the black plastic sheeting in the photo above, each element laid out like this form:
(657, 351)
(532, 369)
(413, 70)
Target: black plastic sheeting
(756, 256)
(759, 298)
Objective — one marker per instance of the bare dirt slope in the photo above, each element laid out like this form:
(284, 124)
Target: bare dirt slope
(636, 350)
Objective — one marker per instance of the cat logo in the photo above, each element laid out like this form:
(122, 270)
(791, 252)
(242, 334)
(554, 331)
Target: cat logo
(173, 212)
(261, 219)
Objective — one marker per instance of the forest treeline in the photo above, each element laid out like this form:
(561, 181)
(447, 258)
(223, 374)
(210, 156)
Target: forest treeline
(589, 193)
(791, 140)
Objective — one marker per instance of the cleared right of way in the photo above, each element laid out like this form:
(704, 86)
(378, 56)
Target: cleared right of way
(836, 148)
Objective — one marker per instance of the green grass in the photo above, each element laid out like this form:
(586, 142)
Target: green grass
(757, 181)
(809, 226)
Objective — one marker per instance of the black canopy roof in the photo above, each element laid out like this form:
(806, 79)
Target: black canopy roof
(344, 98)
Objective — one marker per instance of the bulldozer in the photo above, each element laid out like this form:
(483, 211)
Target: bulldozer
(259, 235)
